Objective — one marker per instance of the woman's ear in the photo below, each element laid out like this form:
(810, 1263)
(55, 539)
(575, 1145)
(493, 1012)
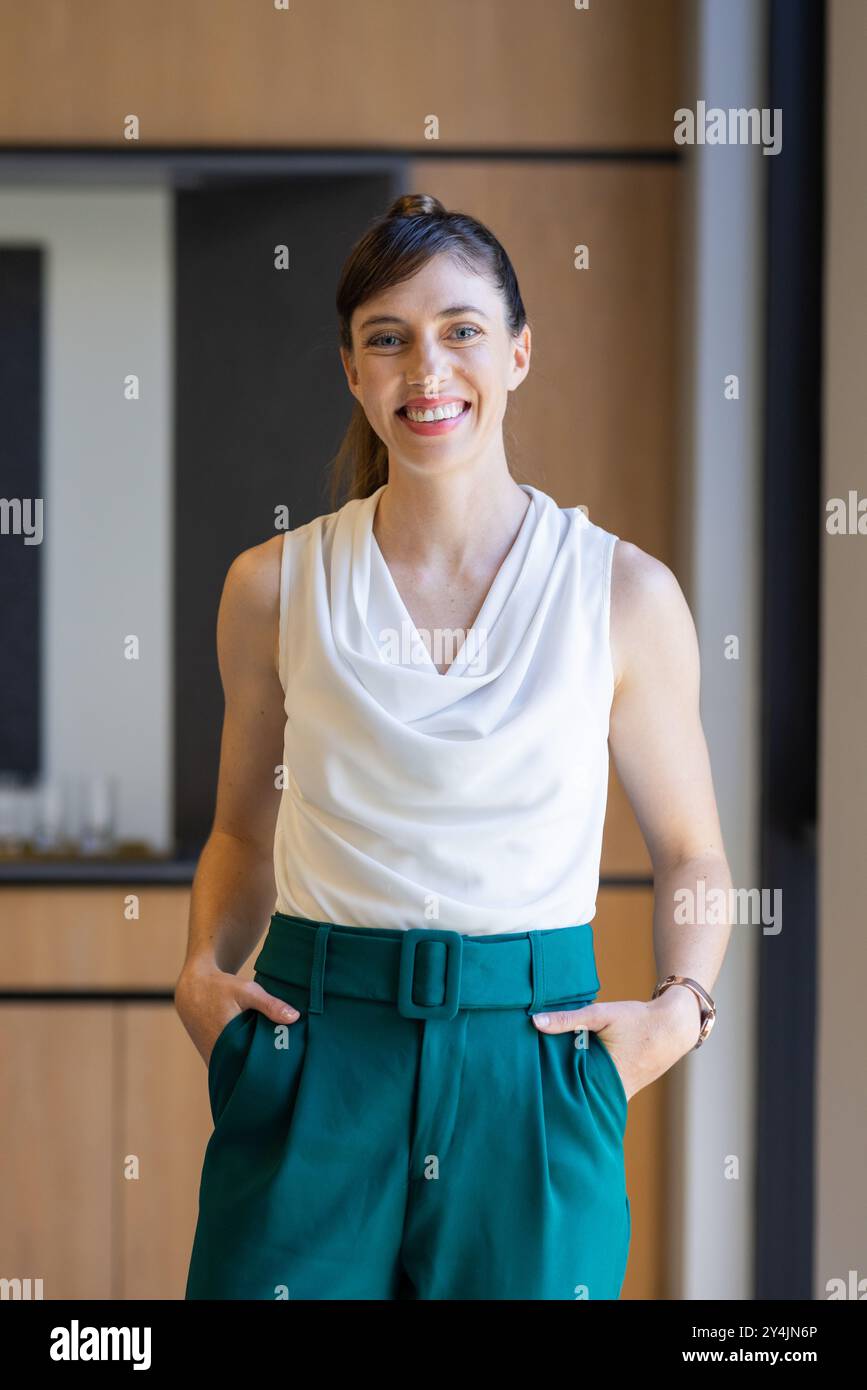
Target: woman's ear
(348, 361)
(521, 348)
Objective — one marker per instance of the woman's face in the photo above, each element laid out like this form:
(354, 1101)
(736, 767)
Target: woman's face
(436, 343)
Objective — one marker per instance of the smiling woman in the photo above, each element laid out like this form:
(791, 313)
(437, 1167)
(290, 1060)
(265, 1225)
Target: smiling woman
(400, 298)
(437, 843)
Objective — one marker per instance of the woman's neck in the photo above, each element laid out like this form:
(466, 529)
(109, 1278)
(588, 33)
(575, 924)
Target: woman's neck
(453, 522)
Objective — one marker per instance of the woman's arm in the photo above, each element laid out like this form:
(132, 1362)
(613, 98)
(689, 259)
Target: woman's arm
(661, 756)
(659, 750)
(233, 889)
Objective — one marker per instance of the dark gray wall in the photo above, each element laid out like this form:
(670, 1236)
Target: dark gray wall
(260, 408)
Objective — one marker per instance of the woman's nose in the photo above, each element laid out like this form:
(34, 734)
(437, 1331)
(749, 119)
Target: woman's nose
(428, 372)
(429, 384)
(428, 368)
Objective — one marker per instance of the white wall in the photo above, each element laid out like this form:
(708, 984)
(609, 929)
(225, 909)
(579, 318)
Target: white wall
(107, 485)
(713, 1225)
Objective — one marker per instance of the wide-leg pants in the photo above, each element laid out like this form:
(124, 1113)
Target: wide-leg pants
(413, 1134)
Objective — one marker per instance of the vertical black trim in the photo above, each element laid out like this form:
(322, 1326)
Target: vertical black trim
(790, 676)
(21, 297)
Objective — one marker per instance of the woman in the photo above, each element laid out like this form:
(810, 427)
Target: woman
(413, 1098)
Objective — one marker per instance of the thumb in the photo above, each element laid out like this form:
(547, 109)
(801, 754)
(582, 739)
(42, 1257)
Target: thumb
(592, 1016)
(255, 997)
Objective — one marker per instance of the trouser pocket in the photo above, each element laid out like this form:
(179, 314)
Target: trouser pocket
(226, 1061)
(603, 1052)
(597, 1076)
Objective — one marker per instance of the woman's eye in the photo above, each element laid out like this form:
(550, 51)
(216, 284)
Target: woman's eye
(391, 339)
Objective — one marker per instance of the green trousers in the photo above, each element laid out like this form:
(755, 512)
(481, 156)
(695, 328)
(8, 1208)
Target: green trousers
(413, 1134)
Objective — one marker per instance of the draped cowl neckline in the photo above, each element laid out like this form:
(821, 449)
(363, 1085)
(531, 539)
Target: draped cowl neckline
(475, 799)
(375, 636)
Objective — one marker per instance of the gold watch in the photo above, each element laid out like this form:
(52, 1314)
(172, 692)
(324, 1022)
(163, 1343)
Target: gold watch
(705, 1003)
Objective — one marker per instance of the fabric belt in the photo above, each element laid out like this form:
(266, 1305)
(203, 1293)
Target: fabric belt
(429, 972)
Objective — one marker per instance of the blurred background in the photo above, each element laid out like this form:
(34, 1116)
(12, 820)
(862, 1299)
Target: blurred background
(167, 383)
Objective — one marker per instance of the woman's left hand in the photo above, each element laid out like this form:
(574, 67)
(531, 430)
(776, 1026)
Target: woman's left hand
(645, 1039)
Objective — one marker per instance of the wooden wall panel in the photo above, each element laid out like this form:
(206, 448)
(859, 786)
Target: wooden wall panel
(496, 73)
(623, 942)
(58, 1155)
(840, 1080)
(595, 421)
(78, 938)
(165, 1121)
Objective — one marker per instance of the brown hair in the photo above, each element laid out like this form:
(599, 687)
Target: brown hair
(413, 229)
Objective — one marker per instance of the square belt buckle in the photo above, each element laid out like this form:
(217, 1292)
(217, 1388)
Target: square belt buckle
(454, 944)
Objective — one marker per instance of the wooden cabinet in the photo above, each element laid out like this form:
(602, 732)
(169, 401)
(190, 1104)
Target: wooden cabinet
(103, 1094)
(162, 1123)
(623, 945)
(57, 1146)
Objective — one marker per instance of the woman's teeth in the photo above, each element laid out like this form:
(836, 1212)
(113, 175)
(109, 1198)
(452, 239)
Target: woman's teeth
(439, 412)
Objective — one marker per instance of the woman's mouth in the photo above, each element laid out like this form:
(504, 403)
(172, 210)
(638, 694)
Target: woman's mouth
(434, 419)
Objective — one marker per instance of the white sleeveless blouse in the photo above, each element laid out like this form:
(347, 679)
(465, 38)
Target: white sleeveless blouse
(473, 800)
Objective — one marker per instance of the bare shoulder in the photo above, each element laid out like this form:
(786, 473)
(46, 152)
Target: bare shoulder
(255, 572)
(650, 618)
(250, 603)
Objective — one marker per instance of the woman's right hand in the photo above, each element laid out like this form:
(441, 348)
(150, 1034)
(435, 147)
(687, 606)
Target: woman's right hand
(207, 999)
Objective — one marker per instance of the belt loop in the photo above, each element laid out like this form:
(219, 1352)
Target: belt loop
(537, 971)
(317, 974)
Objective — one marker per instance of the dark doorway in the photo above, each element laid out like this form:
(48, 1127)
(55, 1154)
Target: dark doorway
(261, 404)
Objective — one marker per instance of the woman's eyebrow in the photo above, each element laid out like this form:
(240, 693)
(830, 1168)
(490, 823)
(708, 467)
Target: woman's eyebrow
(443, 314)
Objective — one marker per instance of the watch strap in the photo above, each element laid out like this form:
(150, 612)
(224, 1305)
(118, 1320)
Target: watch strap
(705, 1003)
